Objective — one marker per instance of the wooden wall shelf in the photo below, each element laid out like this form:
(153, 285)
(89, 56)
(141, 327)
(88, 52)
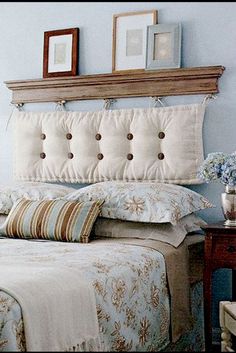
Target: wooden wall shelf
(168, 82)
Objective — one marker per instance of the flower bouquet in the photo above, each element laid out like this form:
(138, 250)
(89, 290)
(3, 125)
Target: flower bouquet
(221, 166)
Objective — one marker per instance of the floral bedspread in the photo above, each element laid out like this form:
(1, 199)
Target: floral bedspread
(130, 287)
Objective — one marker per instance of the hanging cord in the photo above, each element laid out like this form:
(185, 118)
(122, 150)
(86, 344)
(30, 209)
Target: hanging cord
(19, 107)
(158, 100)
(108, 102)
(60, 105)
(207, 98)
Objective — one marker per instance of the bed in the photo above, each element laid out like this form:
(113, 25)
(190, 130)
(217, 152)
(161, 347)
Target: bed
(148, 291)
(132, 296)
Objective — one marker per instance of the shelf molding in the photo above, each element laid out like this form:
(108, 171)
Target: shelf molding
(140, 83)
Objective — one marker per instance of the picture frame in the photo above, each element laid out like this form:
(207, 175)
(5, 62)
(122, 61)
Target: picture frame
(129, 39)
(60, 54)
(163, 46)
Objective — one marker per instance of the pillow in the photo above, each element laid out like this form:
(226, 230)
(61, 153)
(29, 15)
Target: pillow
(51, 219)
(9, 194)
(162, 144)
(142, 201)
(166, 232)
(3, 217)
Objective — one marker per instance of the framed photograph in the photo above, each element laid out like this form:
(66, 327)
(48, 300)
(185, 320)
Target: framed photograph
(60, 54)
(129, 39)
(163, 46)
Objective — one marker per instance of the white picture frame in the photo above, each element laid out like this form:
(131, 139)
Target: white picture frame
(129, 39)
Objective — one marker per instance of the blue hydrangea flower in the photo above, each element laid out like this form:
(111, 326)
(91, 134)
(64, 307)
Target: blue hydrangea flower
(211, 169)
(228, 174)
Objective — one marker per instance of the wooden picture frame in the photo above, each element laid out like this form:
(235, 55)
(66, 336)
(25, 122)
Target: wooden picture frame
(163, 46)
(60, 54)
(129, 39)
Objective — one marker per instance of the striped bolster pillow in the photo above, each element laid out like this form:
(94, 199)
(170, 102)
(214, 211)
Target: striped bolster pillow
(59, 220)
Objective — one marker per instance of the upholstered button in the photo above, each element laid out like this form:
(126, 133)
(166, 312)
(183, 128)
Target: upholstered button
(98, 137)
(70, 155)
(161, 156)
(130, 156)
(68, 136)
(161, 135)
(42, 155)
(130, 136)
(100, 156)
(42, 136)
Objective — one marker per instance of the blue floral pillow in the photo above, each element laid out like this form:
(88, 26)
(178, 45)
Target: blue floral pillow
(142, 201)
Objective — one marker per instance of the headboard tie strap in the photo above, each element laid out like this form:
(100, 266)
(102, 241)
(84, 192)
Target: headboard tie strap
(158, 100)
(108, 102)
(60, 105)
(208, 97)
(19, 107)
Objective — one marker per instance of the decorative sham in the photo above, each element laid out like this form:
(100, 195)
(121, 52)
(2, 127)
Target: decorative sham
(165, 232)
(142, 202)
(158, 144)
(9, 194)
(52, 220)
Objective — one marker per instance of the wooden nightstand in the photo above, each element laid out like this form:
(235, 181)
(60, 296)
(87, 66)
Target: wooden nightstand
(220, 252)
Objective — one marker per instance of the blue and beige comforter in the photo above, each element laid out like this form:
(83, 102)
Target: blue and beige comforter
(131, 284)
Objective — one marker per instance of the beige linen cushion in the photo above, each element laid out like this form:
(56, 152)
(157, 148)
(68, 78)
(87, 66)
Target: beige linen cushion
(166, 232)
(158, 144)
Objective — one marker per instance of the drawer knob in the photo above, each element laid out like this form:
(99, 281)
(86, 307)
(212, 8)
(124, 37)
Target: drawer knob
(231, 248)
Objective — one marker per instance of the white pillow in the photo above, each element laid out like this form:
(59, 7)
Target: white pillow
(3, 217)
(142, 201)
(9, 194)
(166, 232)
(161, 144)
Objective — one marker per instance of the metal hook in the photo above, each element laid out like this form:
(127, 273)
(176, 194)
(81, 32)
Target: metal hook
(108, 102)
(208, 97)
(18, 106)
(60, 105)
(158, 100)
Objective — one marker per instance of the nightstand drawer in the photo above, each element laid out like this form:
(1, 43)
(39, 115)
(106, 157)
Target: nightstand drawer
(224, 248)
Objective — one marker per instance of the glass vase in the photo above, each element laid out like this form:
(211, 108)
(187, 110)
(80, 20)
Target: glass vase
(228, 202)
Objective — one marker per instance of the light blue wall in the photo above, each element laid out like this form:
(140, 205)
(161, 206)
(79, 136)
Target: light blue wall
(209, 38)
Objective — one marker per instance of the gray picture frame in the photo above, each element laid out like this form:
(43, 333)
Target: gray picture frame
(163, 46)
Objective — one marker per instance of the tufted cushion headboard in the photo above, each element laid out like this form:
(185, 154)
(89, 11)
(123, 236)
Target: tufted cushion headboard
(159, 144)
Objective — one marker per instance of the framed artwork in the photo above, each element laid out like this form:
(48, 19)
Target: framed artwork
(60, 55)
(163, 46)
(129, 39)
